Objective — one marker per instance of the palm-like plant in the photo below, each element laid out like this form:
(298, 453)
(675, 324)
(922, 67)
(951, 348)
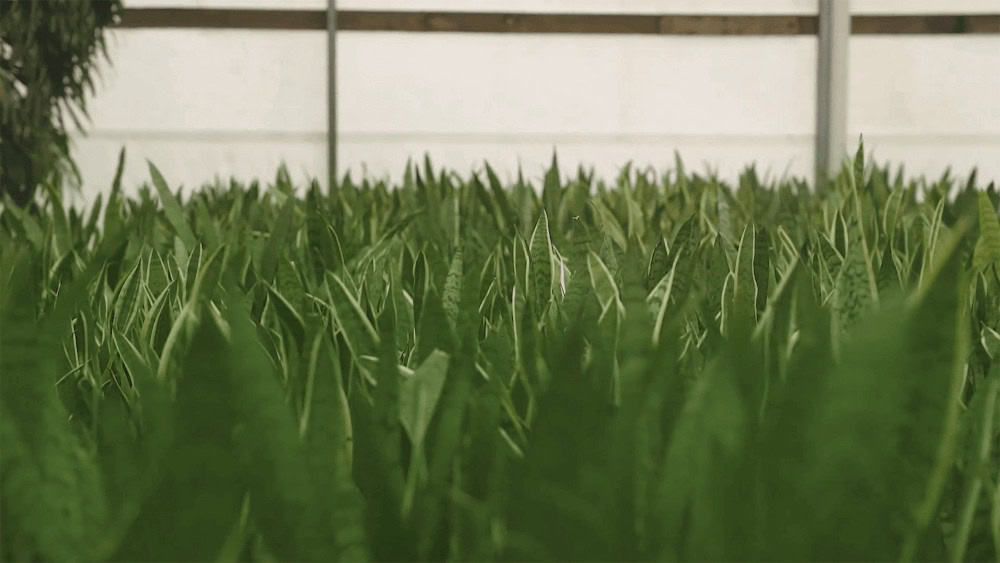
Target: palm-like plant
(47, 53)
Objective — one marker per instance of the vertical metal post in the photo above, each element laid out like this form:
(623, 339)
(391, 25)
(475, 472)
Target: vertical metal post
(331, 90)
(831, 88)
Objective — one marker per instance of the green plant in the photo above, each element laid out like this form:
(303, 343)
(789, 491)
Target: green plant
(47, 53)
(663, 367)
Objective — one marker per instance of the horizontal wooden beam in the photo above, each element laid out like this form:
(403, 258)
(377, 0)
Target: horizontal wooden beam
(214, 18)
(612, 24)
(488, 22)
(896, 25)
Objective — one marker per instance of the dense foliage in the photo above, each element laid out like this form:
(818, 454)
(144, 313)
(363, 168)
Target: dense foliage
(47, 53)
(666, 367)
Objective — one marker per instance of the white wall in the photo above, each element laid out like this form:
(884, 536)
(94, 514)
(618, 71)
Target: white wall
(205, 102)
(928, 101)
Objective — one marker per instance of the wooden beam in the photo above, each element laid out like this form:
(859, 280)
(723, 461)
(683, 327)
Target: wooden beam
(924, 25)
(213, 18)
(611, 24)
(737, 25)
(491, 22)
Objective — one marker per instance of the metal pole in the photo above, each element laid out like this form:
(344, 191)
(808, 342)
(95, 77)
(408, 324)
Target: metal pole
(331, 91)
(831, 88)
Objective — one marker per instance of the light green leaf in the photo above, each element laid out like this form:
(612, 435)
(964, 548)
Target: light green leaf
(540, 268)
(988, 246)
(419, 394)
(453, 289)
(172, 208)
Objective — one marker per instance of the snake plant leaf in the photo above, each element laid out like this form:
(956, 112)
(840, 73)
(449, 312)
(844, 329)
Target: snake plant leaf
(987, 252)
(540, 264)
(419, 394)
(172, 208)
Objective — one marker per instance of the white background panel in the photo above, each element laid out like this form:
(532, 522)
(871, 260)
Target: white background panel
(167, 79)
(928, 101)
(925, 84)
(573, 84)
(247, 99)
(206, 102)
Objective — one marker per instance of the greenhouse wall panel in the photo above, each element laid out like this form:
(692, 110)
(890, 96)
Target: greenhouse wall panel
(608, 99)
(929, 100)
(242, 101)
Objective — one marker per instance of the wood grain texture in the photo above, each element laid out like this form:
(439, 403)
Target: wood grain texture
(489, 22)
